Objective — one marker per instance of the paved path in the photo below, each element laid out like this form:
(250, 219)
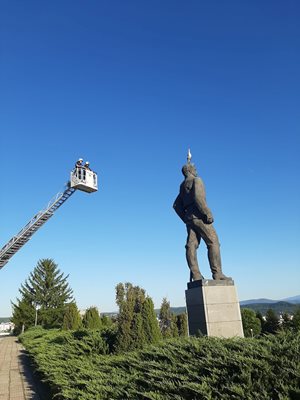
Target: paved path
(16, 381)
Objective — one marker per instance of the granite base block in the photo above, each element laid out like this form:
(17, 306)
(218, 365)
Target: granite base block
(213, 308)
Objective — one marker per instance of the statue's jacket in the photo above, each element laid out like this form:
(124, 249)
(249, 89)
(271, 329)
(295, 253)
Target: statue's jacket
(191, 201)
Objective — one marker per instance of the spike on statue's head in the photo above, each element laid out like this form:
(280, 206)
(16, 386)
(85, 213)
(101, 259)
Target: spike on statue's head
(189, 168)
(189, 156)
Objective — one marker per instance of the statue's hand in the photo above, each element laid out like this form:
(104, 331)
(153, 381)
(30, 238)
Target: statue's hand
(209, 219)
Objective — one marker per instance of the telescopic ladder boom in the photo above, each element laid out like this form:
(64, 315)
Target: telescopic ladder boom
(81, 179)
(16, 242)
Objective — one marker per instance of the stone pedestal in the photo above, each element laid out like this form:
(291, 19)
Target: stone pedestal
(213, 308)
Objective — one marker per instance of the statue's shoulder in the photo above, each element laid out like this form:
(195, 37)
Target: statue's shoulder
(198, 182)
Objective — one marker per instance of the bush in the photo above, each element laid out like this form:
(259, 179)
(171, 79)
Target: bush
(193, 368)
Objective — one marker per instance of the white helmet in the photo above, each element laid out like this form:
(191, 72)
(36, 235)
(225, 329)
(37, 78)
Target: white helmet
(87, 163)
(80, 159)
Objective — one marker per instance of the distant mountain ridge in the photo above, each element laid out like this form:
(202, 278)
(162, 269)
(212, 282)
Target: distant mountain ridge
(279, 307)
(292, 300)
(257, 301)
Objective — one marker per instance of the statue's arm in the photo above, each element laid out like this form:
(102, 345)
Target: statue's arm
(178, 207)
(200, 201)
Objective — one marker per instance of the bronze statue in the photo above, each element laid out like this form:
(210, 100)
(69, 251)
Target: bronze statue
(190, 205)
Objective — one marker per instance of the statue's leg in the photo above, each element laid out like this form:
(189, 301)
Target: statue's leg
(209, 235)
(192, 244)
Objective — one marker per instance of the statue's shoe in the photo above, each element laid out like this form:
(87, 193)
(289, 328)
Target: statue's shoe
(199, 278)
(221, 277)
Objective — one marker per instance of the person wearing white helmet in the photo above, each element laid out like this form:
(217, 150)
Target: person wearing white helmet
(87, 165)
(78, 163)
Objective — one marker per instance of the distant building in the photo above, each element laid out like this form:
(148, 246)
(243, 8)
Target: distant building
(6, 327)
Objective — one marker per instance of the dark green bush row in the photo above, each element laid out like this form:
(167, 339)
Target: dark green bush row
(77, 366)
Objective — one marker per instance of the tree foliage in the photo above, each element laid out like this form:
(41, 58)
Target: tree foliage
(91, 319)
(137, 324)
(261, 318)
(167, 320)
(72, 320)
(106, 321)
(271, 324)
(23, 315)
(150, 323)
(296, 321)
(287, 322)
(182, 325)
(46, 288)
(251, 324)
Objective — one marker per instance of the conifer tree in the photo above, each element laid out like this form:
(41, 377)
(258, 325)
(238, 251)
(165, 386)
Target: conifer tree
(181, 322)
(272, 322)
(136, 319)
(150, 324)
(287, 322)
(23, 315)
(129, 299)
(137, 333)
(174, 327)
(262, 320)
(106, 321)
(72, 320)
(296, 321)
(91, 319)
(46, 288)
(167, 320)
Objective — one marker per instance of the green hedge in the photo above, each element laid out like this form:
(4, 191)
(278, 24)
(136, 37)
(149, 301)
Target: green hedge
(77, 366)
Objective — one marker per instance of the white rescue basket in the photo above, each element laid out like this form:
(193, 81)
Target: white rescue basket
(84, 179)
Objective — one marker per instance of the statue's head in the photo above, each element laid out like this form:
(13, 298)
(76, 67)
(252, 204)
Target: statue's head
(189, 169)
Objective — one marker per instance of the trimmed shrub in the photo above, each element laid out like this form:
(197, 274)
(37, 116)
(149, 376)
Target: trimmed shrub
(76, 367)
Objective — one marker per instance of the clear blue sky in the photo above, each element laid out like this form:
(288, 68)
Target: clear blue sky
(129, 86)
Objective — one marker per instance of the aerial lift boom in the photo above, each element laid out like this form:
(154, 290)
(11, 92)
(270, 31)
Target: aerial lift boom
(81, 179)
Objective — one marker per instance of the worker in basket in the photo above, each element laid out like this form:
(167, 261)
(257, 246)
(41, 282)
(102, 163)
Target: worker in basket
(78, 168)
(87, 166)
(78, 163)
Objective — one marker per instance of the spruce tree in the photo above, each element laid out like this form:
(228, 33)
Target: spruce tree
(72, 320)
(46, 288)
(91, 319)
